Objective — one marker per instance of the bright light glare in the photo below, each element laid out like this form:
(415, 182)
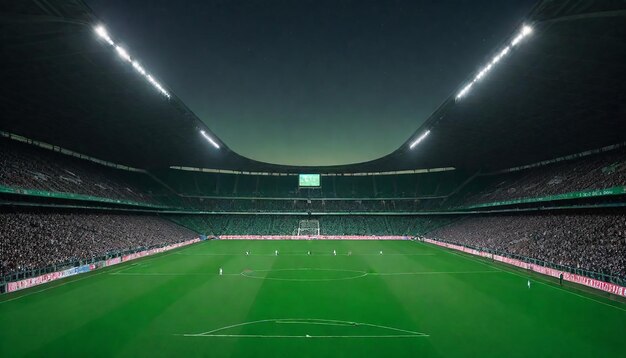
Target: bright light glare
(122, 52)
(101, 31)
(419, 139)
(206, 136)
(138, 67)
(525, 31)
(158, 86)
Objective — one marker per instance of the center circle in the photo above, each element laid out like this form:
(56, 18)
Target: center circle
(305, 274)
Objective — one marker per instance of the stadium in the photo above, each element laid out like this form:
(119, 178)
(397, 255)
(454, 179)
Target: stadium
(149, 210)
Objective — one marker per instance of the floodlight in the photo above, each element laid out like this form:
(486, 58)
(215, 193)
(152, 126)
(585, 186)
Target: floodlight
(207, 137)
(419, 139)
(122, 52)
(525, 31)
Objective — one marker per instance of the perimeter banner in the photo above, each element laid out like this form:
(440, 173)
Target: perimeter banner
(582, 280)
(311, 237)
(53, 276)
(34, 281)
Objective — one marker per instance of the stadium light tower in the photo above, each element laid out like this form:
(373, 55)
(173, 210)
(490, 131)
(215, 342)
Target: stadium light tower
(208, 138)
(419, 139)
(524, 32)
(102, 32)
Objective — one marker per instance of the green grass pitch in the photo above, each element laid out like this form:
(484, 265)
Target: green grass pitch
(414, 300)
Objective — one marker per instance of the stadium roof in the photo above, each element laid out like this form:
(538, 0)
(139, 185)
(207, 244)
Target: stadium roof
(560, 92)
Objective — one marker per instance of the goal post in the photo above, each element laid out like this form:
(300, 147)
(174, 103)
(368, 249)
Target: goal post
(308, 228)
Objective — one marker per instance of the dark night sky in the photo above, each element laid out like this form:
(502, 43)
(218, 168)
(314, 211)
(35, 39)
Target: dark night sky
(312, 82)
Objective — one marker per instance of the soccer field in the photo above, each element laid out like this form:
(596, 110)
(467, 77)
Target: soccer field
(414, 300)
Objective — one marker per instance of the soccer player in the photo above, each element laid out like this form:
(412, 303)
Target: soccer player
(334, 253)
(308, 252)
(561, 279)
(221, 271)
(276, 252)
(528, 283)
(349, 253)
(247, 253)
(381, 252)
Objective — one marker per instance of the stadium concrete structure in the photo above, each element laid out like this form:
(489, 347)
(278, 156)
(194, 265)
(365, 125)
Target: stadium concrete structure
(519, 176)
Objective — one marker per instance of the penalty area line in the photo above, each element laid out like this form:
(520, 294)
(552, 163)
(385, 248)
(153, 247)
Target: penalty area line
(299, 336)
(307, 321)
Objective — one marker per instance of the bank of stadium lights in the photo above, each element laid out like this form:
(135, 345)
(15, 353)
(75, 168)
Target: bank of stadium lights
(419, 139)
(208, 138)
(523, 33)
(104, 35)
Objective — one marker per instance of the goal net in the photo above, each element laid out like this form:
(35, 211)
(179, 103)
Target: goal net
(309, 228)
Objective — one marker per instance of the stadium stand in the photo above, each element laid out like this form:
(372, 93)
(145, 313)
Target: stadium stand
(301, 205)
(34, 240)
(334, 186)
(379, 225)
(591, 172)
(29, 167)
(593, 241)
(590, 240)
(509, 190)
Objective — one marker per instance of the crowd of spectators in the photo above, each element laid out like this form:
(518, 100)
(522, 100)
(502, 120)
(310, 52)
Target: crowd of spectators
(408, 185)
(303, 205)
(594, 241)
(34, 240)
(28, 167)
(596, 171)
(379, 225)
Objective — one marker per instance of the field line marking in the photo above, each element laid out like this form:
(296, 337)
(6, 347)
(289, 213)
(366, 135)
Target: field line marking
(309, 336)
(212, 333)
(82, 278)
(244, 274)
(305, 254)
(361, 274)
(172, 274)
(51, 287)
(538, 280)
(542, 282)
(125, 268)
(318, 323)
(431, 273)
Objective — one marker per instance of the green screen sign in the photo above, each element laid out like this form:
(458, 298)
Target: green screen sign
(309, 180)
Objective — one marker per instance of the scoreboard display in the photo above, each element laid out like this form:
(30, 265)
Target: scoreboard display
(309, 181)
